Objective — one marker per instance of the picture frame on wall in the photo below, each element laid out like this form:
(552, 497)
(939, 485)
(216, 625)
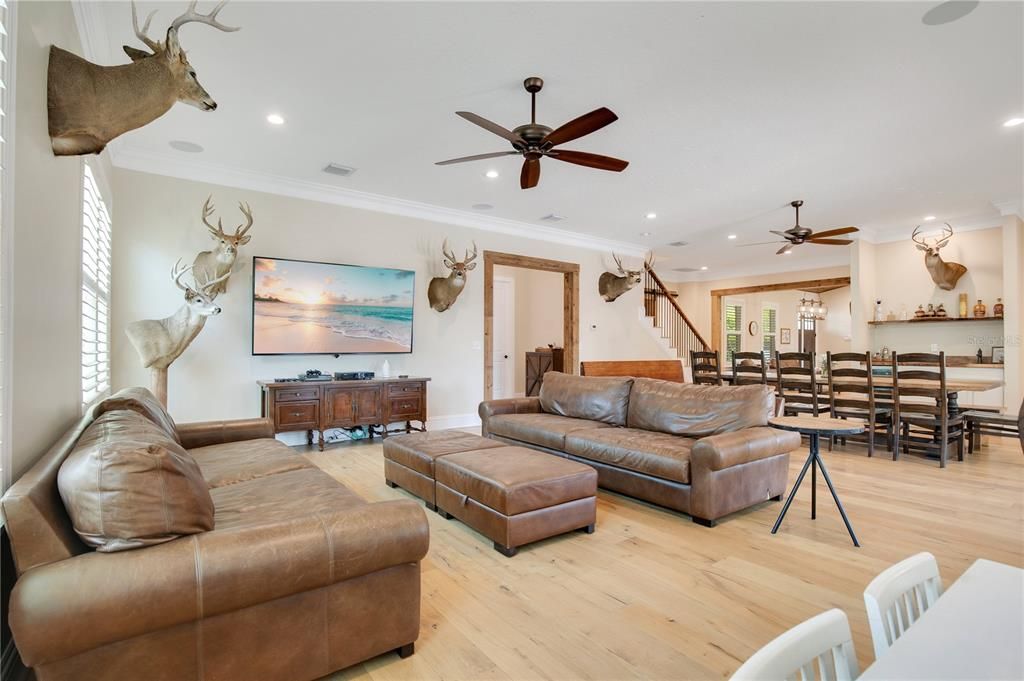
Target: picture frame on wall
(998, 354)
(785, 336)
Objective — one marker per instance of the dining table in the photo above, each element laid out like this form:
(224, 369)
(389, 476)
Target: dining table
(975, 630)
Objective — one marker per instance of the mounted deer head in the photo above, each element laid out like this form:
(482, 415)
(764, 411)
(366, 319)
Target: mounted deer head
(161, 341)
(611, 285)
(89, 105)
(944, 274)
(215, 264)
(443, 291)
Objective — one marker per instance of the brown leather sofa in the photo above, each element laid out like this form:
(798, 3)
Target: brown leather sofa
(703, 450)
(299, 577)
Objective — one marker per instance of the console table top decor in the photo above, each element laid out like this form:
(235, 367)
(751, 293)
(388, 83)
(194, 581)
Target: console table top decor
(814, 427)
(373, 403)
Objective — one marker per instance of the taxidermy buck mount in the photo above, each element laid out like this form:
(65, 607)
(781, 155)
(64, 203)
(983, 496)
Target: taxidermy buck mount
(611, 285)
(161, 341)
(211, 265)
(944, 274)
(89, 105)
(443, 291)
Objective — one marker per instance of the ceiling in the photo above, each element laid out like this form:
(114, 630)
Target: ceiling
(727, 111)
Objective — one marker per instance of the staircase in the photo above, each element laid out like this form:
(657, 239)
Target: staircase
(669, 321)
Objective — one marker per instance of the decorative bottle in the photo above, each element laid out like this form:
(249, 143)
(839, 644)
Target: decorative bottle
(979, 308)
(997, 309)
(879, 315)
(980, 357)
(385, 369)
(963, 306)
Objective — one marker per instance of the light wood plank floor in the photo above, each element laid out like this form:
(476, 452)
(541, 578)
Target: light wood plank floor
(650, 595)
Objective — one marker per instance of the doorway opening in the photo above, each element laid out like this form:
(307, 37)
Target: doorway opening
(522, 312)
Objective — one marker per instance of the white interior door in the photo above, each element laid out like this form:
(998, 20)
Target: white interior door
(504, 337)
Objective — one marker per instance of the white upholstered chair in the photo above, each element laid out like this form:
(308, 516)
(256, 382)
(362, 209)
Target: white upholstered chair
(899, 596)
(820, 648)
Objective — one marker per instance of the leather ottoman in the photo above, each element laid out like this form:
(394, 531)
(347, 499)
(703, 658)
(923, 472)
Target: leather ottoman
(409, 459)
(515, 496)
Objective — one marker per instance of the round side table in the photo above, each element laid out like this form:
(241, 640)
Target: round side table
(814, 427)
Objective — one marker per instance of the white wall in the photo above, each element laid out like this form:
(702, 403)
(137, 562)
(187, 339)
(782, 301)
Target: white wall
(537, 318)
(157, 221)
(45, 333)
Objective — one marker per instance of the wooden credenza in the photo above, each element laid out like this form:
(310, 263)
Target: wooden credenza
(318, 406)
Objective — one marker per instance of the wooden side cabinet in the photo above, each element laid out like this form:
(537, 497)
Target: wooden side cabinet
(375, 404)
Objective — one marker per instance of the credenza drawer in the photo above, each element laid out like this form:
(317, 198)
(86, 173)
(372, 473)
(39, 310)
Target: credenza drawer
(295, 414)
(298, 394)
(401, 389)
(410, 405)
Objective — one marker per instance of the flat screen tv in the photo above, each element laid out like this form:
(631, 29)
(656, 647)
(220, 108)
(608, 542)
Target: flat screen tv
(316, 308)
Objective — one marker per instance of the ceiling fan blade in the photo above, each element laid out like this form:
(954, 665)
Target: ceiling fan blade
(830, 242)
(531, 173)
(834, 232)
(491, 126)
(785, 249)
(582, 158)
(478, 157)
(782, 234)
(761, 243)
(578, 127)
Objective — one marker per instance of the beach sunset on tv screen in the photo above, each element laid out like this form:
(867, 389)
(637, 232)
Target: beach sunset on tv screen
(320, 308)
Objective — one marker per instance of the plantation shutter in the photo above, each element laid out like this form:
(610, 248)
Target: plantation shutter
(733, 330)
(769, 330)
(96, 238)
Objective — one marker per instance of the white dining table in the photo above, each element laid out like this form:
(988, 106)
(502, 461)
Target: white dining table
(974, 631)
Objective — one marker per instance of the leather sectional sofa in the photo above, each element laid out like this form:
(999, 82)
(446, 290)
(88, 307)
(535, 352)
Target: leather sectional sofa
(299, 576)
(703, 450)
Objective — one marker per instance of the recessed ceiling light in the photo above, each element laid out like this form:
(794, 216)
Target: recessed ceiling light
(275, 119)
(732, 236)
(929, 218)
(948, 12)
(645, 234)
(182, 145)
(787, 252)
(482, 206)
(1013, 122)
(651, 216)
(703, 268)
(492, 174)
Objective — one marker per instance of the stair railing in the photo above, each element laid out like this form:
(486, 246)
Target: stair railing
(660, 303)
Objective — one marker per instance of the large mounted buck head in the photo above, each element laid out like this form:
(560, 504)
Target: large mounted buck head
(89, 105)
(611, 285)
(944, 274)
(443, 291)
(217, 264)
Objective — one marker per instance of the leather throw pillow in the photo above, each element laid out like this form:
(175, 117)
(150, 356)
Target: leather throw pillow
(586, 397)
(127, 485)
(142, 401)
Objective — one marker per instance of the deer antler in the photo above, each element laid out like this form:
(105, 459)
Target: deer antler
(649, 261)
(448, 254)
(141, 34)
(208, 209)
(192, 16)
(177, 272)
(205, 288)
(618, 263)
(922, 245)
(470, 258)
(247, 212)
(947, 234)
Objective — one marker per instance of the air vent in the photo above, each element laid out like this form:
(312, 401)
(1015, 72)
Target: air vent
(679, 244)
(685, 269)
(338, 169)
(553, 217)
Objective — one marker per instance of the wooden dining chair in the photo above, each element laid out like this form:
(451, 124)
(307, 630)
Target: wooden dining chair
(820, 648)
(797, 384)
(921, 408)
(851, 394)
(705, 367)
(749, 368)
(898, 597)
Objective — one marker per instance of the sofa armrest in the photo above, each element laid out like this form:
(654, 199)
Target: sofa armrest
(718, 452)
(98, 598)
(203, 433)
(513, 405)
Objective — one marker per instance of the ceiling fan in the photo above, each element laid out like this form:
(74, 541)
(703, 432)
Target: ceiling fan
(534, 141)
(796, 235)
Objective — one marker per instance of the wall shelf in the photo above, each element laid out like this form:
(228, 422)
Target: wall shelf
(937, 320)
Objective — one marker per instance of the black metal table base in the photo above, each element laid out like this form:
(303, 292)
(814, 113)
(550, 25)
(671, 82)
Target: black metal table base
(814, 462)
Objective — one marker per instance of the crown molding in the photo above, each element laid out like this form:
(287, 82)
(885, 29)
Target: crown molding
(92, 30)
(1010, 207)
(969, 223)
(159, 164)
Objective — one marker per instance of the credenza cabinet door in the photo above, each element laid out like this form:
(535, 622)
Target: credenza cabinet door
(340, 408)
(355, 406)
(368, 403)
